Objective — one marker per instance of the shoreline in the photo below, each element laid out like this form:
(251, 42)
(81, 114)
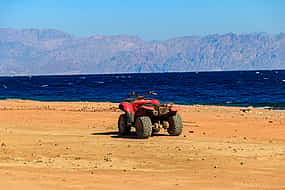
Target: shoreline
(110, 102)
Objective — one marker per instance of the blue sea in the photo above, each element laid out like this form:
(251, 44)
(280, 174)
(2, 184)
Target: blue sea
(233, 88)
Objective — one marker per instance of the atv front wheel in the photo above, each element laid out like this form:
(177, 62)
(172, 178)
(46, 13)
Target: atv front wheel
(175, 125)
(143, 127)
(123, 127)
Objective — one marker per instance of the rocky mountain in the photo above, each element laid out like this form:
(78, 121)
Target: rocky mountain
(33, 51)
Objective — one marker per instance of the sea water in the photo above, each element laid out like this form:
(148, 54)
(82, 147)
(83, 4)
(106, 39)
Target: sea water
(233, 88)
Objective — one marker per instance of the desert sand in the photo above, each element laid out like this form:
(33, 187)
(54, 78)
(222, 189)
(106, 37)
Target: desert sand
(74, 145)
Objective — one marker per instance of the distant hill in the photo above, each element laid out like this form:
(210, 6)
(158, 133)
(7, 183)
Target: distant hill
(33, 51)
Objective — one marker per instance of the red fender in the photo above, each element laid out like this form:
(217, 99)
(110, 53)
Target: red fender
(147, 107)
(174, 108)
(127, 107)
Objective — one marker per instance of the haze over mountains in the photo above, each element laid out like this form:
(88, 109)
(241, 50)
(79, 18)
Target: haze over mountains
(32, 51)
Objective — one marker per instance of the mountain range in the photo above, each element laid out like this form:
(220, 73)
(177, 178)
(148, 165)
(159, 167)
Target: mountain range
(48, 51)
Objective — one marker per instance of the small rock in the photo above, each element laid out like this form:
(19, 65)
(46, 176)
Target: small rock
(107, 159)
(245, 110)
(178, 148)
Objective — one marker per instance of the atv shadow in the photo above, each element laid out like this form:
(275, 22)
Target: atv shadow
(114, 134)
(105, 133)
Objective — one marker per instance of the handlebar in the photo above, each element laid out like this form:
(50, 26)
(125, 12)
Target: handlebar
(137, 96)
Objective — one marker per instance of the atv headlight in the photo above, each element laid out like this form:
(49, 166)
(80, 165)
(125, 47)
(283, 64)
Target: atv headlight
(155, 112)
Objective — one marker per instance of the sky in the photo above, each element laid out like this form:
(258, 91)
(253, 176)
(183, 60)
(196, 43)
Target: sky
(148, 19)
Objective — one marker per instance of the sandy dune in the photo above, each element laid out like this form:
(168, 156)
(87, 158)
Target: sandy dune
(66, 146)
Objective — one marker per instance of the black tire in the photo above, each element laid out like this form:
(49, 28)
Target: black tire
(143, 127)
(175, 125)
(124, 129)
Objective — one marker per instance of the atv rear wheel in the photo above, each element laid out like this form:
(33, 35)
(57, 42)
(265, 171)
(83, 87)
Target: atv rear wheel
(123, 127)
(175, 125)
(143, 127)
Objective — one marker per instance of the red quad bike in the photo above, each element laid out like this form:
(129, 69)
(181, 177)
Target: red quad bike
(148, 116)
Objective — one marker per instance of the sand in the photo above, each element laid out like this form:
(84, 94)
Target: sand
(66, 146)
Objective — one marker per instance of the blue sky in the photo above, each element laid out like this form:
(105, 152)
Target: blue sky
(149, 19)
